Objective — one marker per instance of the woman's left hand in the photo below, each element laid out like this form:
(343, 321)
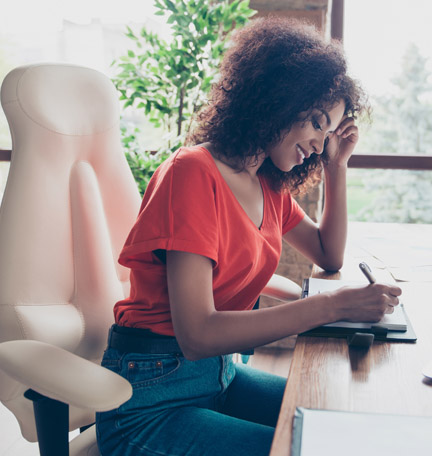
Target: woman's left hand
(342, 142)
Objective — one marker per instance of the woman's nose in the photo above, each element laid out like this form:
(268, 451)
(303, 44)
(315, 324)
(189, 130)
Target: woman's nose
(319, 143)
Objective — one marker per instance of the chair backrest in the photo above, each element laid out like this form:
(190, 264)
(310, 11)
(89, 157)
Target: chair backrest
(69, 203)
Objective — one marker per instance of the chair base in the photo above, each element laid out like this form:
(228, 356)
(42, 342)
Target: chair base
(52, 424)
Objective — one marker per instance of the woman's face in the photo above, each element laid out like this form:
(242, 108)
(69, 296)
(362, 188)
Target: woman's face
(306, 138)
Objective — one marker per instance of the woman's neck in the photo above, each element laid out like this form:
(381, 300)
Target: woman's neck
(251, 166)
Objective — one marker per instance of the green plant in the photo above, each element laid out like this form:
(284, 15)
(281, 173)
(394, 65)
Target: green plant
(169, 80)
(142, 163)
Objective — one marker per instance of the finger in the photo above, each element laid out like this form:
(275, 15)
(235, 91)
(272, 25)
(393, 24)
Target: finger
(348, 121)
(389, 310)
(329, 139)
(393, 301)
(389, 289)
(395, 291)
(351, 130)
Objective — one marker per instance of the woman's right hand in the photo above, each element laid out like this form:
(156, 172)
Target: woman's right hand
(366, 303)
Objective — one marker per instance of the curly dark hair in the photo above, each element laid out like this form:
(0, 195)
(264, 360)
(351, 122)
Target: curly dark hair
(274, 70)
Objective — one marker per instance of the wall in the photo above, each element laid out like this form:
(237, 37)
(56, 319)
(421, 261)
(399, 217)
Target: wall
(314, 11)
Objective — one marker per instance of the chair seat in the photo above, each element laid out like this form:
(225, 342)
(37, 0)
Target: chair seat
(85, 444)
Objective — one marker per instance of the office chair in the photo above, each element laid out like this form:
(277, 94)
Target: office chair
(69, 203)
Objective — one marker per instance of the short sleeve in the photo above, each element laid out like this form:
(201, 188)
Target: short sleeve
(292, 213)
(178, 211)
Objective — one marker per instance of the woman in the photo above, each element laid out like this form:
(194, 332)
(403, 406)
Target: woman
(208, 240)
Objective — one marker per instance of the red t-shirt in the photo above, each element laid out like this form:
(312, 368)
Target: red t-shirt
(188, 206)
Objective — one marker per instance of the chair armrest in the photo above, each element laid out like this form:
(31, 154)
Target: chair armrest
(63, 376)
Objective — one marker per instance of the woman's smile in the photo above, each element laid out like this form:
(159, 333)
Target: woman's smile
(306, 138)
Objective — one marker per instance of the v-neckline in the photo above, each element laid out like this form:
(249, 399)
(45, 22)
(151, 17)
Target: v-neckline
(262, 184)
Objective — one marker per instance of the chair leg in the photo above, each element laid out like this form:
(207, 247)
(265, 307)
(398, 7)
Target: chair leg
(84, 428)
(52, 424)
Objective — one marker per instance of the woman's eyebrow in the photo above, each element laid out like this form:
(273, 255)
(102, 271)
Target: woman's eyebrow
(326, 115)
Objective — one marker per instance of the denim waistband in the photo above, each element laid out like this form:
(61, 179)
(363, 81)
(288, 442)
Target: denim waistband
(137, 340)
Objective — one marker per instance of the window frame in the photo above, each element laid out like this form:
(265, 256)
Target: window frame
(363, 161)
(375, 161)
(5, 155)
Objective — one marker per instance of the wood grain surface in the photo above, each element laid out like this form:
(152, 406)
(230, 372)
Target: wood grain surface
(325, 373)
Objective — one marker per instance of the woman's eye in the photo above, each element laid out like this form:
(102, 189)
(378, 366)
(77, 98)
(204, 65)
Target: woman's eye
(316, 125)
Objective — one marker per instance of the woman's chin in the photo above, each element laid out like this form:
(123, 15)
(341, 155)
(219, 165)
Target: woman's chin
(289, 168)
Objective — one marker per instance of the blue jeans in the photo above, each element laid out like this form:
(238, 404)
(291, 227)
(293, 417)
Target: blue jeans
(200, 408)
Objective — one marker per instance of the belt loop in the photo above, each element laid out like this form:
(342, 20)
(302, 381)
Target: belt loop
(110, 335)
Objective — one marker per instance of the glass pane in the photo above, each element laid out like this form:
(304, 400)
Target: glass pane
(402, 196)
(5, 138)
(89, 33)
(388, 47)
(4, 170)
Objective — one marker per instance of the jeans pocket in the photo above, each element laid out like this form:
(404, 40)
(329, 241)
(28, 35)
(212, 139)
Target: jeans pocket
(147, 370)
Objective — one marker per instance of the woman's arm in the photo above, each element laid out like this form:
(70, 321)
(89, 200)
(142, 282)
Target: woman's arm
(325, 243)
(281, 288)
(202, 331)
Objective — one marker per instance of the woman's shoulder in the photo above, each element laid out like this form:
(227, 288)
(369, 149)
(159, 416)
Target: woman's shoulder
(188, 165)
(193, 157)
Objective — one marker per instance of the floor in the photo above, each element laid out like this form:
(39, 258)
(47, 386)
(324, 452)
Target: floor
(274, 360)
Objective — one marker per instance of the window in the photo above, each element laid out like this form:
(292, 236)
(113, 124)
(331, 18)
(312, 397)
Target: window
(89, 33)
(387, 44)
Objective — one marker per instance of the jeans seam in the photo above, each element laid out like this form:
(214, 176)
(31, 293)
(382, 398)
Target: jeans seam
(122, 422)
(149, 450)
(159, 379)
(116, 363)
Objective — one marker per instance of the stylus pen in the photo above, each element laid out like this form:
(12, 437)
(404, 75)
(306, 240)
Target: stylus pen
(367, 272)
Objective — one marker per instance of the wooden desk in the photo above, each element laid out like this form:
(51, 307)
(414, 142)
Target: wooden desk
(325, 373)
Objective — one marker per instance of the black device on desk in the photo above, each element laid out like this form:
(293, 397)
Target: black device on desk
(393, 327)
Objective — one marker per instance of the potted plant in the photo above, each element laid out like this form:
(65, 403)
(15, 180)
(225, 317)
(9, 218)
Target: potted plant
(169, 80)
